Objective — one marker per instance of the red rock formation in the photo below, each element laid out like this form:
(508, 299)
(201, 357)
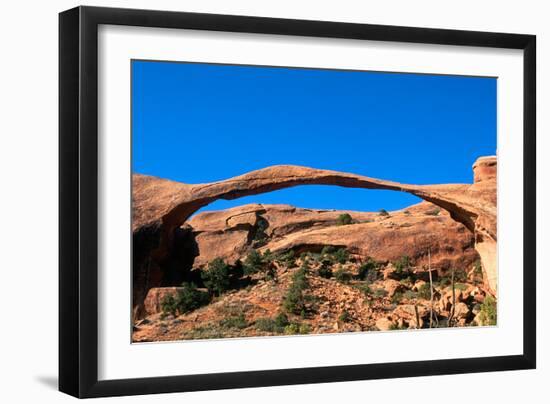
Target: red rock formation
(162, 206)
(229, 234)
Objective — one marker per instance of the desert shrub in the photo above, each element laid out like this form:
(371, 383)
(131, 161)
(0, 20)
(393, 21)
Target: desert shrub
(292, 329)
(341, 255)
(409, 294)
(293, 301)
(344, 316)
(187, 299)
(327, 250)
(265, 324)
(488, 313)
(402, 265)
(383, 212)
(461, 286)
(216, 277)
(444, 281)
(344, 219)
(256, 262)
(365, 289)
(342, 276)
(406, 212)
(304, 328)
(287, 259)
(380, 293)
(461, 275)
(253, 263)
(366, 268)
(276, 325)
(424, 292)
(407, 281)
(234, 322)
(397, 297)
(281, 320)
(299, 279)
(325, 271)
(169, 305)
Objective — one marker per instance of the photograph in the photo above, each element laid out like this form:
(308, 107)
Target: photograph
(279, 201)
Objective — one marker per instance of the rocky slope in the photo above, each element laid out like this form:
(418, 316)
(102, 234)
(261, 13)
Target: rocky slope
(398, 248)
(387, 298)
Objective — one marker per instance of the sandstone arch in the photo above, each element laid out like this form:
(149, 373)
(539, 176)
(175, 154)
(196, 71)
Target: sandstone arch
(164, 205)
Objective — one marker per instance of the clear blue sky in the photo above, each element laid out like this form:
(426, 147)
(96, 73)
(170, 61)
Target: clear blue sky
(198, 123)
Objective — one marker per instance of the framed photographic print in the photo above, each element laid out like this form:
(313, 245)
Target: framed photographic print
(250, 201)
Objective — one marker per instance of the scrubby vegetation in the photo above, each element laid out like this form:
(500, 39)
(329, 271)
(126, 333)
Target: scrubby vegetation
(383, 212)
(343, 276)
(488, 314)
(238, 322)
(368, 271)
(402, 265)
(294, 301)
(256, 262)
(187, 299)
(216, 277)
(287, 259)
(325, 270)
(344, 219)
(398, 291)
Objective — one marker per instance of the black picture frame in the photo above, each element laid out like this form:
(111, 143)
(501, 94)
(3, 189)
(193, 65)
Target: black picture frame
(78, 201)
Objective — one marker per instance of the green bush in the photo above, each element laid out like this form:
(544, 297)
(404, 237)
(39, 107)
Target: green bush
(341, 256)
(368, 269)
(281, 320)
(409, 294)
(256, 262)
(253, 263)
(292, 329)
(344, 317)
(344, 219)
(424, 292)
(383, 212)
(293, 301)
(276, 325)
(238, 322)
(380, 293)
(402, 265)
(488, 313)
(325, 271)
(342, 276)
(365, 289)
(216, 277)
(187, 299)
(287, 259)
(327, 250)
(397, 297)
(169, 305)
(304, 328)
(265, 324)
